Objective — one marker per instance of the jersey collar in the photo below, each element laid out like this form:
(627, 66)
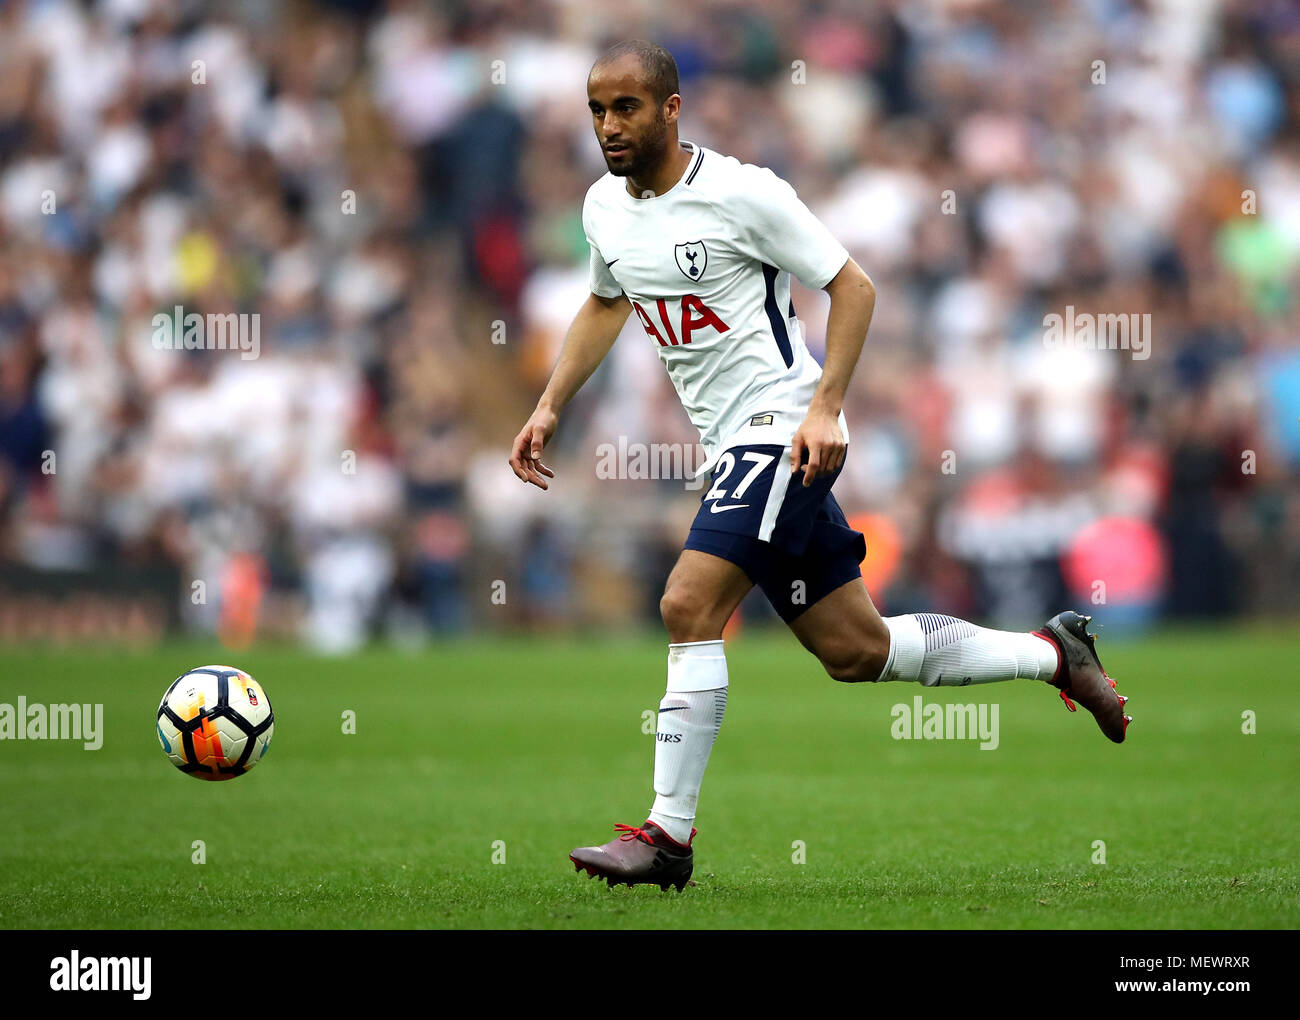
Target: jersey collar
(687, 176)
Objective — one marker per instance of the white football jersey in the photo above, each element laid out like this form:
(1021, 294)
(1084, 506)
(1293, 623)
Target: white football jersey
(707, 267)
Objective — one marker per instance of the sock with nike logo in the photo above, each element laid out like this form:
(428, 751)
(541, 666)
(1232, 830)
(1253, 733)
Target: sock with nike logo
(943, 651)
(690, 716)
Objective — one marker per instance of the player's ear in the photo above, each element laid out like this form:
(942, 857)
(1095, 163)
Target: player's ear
(672, 107)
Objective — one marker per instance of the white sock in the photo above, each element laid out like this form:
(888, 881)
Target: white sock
(690, 716)
(942, 651)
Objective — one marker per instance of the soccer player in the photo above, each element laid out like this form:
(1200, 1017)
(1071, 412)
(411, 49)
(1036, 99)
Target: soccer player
(702, 247)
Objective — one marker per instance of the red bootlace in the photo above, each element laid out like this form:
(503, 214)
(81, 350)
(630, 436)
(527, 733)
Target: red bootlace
(633, 832)
(1068, 703)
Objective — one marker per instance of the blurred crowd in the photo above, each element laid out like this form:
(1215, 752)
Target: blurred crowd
(395, 190)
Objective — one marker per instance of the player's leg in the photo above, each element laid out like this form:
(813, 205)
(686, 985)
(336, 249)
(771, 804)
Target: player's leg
(702, 592)
(844, 630)
(854, 643)
(846, 633)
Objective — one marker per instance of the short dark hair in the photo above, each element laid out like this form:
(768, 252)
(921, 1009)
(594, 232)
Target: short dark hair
(658, 68)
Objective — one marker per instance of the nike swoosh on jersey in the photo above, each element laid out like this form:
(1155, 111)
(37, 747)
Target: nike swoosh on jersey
(724, 509)
(675, 708)
(608, 264)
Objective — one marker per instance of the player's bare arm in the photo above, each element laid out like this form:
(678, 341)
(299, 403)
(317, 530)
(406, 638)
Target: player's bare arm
(853, 300)
(590, 337)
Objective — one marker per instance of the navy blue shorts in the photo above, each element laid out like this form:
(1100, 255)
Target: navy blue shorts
(793, 543)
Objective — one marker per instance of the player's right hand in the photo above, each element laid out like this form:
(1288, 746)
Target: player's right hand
(526, 455)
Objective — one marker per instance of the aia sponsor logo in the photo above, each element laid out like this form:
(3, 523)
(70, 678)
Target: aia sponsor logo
(692, 316)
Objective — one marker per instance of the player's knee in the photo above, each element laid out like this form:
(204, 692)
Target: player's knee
(857, 662)
(677, 610)
(685, 616)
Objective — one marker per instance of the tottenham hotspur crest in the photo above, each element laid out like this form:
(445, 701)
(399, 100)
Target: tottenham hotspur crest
(691, 258)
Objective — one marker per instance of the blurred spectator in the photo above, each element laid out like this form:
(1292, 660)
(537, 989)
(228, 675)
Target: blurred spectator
(394, 190)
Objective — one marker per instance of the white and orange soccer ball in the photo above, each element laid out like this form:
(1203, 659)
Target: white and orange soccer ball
(215, 722)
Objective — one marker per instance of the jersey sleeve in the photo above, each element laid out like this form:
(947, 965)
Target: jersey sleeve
(600, 280)
(774, 226)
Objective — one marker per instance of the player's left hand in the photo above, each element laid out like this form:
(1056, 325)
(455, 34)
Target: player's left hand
(820, 435)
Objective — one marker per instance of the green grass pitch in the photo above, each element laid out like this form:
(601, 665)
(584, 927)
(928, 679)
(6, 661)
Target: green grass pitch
(539, 744)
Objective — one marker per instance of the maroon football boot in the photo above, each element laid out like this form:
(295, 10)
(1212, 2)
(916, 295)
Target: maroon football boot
(641, 856)
(1081, 675)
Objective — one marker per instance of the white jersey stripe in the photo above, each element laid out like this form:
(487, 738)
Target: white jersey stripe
(775, 497)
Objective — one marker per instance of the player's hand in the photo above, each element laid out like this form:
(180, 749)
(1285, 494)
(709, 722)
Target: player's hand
(526, 455)
(820, 435)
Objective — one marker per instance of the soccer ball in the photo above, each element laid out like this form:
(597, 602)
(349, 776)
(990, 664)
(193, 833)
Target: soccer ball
(215, 722)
